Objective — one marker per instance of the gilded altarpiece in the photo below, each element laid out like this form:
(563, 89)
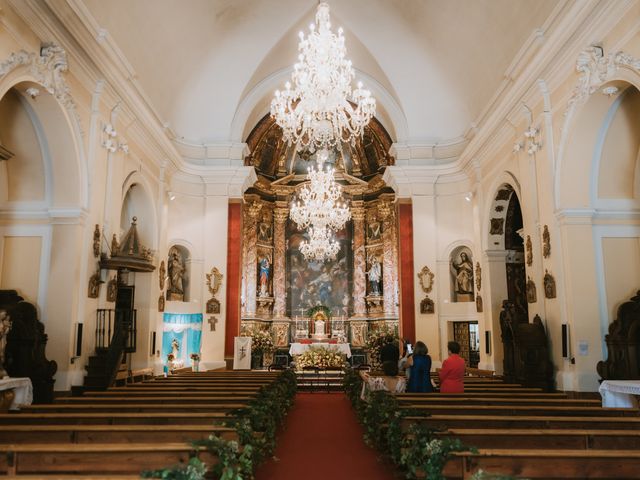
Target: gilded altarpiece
(278, 284)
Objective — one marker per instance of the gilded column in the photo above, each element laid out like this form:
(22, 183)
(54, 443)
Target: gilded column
(279, 284)
(250, 266)
(359, 261)
(389, 264)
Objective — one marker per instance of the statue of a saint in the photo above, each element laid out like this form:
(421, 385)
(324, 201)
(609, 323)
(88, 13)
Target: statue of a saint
(463, 272)
(175, 347)
(263, 278)
(5, 326)
(177, 269)
(375, 275)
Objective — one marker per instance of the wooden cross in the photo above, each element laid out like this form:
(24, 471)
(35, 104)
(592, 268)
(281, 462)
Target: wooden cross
(212, 323)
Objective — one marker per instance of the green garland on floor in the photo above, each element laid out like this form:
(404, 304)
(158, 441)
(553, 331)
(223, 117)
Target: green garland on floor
(256, 426)
(416, 451)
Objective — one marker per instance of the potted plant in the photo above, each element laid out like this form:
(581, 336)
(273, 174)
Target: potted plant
(195, 362)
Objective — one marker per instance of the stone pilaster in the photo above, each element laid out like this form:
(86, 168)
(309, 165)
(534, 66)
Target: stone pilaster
(250, 265)
(390, 255)
(359, 261)
(279, 275)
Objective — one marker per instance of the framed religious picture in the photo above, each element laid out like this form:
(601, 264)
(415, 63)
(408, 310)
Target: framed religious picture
(427, 306)
(213, 306)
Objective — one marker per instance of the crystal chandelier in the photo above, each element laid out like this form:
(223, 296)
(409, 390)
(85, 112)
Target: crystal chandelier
(314, 110)
(319, 201)
(320, 246)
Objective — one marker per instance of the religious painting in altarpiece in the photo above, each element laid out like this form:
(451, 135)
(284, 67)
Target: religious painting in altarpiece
(327, 283)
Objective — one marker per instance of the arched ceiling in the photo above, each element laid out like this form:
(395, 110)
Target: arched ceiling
(435, 63)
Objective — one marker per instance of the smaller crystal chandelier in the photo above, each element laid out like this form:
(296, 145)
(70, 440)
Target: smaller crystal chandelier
(315, 111)
(320, 246)
(319, 201)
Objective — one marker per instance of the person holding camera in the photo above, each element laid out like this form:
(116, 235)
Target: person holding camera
(418, 367)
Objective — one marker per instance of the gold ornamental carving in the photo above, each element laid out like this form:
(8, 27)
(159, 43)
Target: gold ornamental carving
(426, 279)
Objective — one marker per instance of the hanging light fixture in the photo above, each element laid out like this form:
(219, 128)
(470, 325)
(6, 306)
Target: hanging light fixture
(320, 246)
(313, 110)
(320, 202)
(318, 111)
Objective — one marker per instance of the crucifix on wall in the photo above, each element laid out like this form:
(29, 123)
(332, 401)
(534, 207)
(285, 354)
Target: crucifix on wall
(212, 323)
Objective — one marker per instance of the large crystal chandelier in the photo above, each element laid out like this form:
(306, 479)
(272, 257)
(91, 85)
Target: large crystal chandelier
(320, 246)
(314, 110)
(319, 201)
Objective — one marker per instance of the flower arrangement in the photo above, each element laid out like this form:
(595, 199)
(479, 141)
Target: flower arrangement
(319, 308)
(171, 357)
(320, 357)
(375, 341)
(195, 357)
(261, 341)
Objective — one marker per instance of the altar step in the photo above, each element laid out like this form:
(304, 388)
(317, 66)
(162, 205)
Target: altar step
(322, 381)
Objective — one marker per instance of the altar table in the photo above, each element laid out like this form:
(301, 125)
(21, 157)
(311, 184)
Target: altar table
(619, 393)
(300, 348)
(22, 389)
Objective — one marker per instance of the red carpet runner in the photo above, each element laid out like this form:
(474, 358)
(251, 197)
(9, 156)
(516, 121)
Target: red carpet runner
(322, 440)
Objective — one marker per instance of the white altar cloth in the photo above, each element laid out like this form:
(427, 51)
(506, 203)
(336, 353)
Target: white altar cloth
(300, 348)
(22, 389)
(619, 393)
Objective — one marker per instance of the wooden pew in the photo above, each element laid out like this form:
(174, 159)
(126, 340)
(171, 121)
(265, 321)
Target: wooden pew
(547, 464)
(144, 418)
(59, 434)
(99, 458)
(492, 400)
(131, 407)
(546, 438)
(156, 398)
(443, 422)
(531, 410)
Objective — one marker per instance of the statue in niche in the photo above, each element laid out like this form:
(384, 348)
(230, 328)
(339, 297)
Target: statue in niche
(5, 326)
(375, 275)
(177, 273)
(549, 285)
(463, 273)
(263, 277)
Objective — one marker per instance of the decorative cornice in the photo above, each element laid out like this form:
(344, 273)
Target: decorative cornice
(47, 69)
(595, 69)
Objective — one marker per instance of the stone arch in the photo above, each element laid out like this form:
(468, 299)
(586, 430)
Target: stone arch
(615, 177)
(137, 194)
(497, 209)
(585, 116)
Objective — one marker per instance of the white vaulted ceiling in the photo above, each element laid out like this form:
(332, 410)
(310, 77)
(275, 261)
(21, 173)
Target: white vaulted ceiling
(209, 67)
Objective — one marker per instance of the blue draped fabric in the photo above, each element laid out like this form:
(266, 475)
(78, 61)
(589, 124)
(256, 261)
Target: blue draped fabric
(186, 328)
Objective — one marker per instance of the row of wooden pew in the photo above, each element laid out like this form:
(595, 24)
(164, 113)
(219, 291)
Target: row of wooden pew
(527, 433)
(124, 430)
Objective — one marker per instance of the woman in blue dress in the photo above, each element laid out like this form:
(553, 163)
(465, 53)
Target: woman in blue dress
(419, 365)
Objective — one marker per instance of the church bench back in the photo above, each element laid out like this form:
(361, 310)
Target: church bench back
(110, 433)
(154, 397)
(489, 400)
(109, 418)
(94, 458)
(530, 410)
(546, 463)
(131, 408)
(546, 438)
(440, 422)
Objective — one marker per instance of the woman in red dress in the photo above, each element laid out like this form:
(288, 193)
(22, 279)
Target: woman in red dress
(452, 371)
